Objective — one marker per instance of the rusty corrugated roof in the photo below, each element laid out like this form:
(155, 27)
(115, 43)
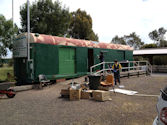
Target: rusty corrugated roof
(55, 40)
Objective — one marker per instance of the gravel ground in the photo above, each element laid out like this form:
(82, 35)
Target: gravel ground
(44, 107)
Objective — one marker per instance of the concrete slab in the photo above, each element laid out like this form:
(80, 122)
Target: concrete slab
(22, 88)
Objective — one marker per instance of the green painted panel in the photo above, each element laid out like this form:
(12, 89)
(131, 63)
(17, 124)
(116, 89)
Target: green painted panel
(110, 55)
(45, 59)
(81, 60)
(66, 60)
(120, 55)
(129, 55)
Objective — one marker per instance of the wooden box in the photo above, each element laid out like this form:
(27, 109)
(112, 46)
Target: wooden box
(65, 93)
(106, 88)
(100, 95)
(75, 94)
(86, 94)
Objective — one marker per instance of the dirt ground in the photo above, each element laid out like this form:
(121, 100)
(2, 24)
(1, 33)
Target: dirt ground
(44, 107)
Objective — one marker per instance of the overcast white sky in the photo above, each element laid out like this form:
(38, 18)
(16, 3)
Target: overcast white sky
(110, 17)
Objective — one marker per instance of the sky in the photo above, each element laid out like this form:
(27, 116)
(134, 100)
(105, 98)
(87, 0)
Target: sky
(110, 17)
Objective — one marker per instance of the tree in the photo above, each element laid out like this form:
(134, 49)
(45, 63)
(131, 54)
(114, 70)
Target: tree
(133, 40)
(163, 43)
(7, 34)
(118, 40)
(158, 37)
(152, 45)
(46, 17)
(154, 35)
(81, 26)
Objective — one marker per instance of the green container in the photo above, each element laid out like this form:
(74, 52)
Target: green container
(62, 61)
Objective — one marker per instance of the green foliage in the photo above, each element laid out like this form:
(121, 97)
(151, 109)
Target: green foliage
(3, 73)
(11, 62)
(152, 45)
(154, 35)
(46, 17)
(8, 62)
(51, 18)
(118, 40)
(81, 26)
(163, 43)
(158, 37)
(132, 40)
(7, 34)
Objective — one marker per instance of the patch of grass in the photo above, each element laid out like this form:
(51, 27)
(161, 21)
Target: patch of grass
(3, 74)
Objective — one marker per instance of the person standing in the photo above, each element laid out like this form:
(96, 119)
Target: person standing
(116, 69)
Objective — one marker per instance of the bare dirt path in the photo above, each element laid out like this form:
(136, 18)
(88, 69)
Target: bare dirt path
(44, 107)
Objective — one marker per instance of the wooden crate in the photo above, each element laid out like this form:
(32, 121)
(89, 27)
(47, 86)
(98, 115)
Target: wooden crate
(100, 95)
(75, 94)
(86, 94)
(65, 93)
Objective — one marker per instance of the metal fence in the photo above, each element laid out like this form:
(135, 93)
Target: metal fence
(127, 66)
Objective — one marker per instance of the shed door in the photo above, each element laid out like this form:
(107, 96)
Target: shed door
(66, 60)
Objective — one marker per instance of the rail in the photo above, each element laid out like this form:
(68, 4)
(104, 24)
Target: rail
(127, 66)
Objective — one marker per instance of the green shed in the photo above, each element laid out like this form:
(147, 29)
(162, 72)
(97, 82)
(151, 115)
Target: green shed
(58, 57)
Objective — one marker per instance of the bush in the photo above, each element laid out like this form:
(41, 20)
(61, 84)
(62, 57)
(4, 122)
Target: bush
(10, 63)
(1, 65)
(4, 71)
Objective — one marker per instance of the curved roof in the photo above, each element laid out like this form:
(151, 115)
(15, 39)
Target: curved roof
(55, 40)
